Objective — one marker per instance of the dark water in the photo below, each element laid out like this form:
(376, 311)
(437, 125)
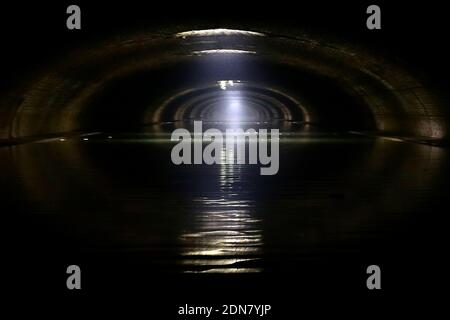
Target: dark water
(336, 196)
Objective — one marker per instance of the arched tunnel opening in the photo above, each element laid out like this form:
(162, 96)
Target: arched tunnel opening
(359, 137)
(207, 90)
(128, 82)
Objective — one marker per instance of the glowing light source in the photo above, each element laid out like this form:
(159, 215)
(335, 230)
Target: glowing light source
(234, 105)
(222, 51)
(224, 84)
(217, 32)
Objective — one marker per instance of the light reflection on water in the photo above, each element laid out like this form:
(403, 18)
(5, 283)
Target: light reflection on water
(333, 194)
(226, 233)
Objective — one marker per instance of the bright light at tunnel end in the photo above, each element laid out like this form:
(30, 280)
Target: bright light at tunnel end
(224, 84)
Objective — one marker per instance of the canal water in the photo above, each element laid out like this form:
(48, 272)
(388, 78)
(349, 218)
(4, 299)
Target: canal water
(118, 196)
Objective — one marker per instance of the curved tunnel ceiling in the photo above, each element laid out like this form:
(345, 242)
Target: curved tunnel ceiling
(230, 100)
(151, 77)
(99, 180)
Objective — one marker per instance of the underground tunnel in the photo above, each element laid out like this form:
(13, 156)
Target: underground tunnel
(86, 152)
(289, 78)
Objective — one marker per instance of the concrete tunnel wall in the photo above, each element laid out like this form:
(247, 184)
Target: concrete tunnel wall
(52, 101)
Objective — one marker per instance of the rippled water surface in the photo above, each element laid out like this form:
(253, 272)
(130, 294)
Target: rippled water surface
(333, 194)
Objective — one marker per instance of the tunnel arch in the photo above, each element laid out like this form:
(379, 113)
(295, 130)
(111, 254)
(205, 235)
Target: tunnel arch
(195, 103)
(55, 100)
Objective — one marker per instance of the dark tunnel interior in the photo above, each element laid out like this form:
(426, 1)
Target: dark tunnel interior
(259, 93)
(333, 86)
(85, 143)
